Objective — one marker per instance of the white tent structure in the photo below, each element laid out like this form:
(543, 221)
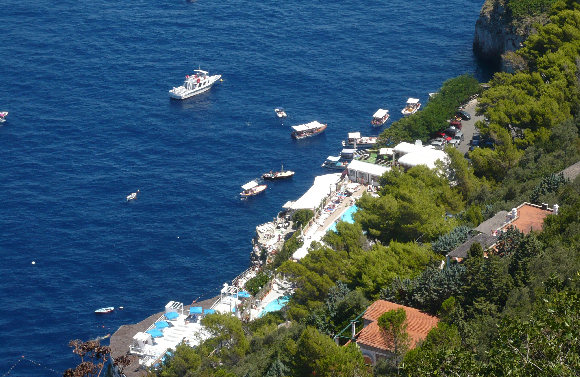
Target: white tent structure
(323, 185)
(366, 173)
(380, 113)
(426, 156)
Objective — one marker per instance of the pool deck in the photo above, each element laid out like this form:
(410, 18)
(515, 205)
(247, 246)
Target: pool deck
(123, 338)
(321, 225)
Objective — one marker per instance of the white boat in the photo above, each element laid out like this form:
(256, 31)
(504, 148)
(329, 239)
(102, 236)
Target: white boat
(252, 188)
(335, 163)
(195, 84)
(133, 195)
(307, 130)
(380, 117)
(3, 115)
(280, 113)
(356, 141)
(106, 310)
(275, 175)
(412, 106)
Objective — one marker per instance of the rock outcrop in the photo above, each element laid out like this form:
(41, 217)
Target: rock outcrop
(495, 32)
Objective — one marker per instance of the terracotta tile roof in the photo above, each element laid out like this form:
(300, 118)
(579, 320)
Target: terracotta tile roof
(530, 217)
(418, 325)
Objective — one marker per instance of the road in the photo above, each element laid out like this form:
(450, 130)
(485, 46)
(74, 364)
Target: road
(468, 126)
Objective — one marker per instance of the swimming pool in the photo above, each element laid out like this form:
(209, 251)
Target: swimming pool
(346, 217)
(275, 305)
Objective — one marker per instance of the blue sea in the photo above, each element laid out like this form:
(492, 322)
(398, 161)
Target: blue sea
(90, 121)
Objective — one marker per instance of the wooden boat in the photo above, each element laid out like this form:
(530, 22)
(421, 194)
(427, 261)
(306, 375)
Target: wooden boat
(355, 140)
(108, 309)
(307, 130)
(280, 113)
(380, 117)
(252, 188)
(282, 174)
(412, 106)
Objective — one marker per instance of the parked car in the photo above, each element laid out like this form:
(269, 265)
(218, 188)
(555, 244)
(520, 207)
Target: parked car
(456, 123)
(463, 115)
(475, 139)
(438, 143)
(459, 135)
(455, 142)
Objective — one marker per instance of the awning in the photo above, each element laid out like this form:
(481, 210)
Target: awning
(348, 151)
(413, 101)
(308, 126)
(196, 310)
(156, 333)
(333, 158)
(250, 185)
(354, 135)
(171, 315)
(380, 113)
(161, 324)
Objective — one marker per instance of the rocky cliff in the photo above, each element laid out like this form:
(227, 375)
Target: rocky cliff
(497, 32)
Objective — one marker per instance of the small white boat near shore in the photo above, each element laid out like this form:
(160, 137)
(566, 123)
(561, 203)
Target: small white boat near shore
(280, 113)
(412, 106)
(380, 117)
(108, 309)
(195, 84)
(252, 188)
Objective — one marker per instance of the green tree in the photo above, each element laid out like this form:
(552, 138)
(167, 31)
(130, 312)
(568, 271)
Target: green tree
(394, 331)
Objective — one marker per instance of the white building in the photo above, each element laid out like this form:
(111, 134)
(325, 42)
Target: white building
(411, 155)
(366, 173)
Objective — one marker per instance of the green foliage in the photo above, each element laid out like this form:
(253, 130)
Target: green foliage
(428, 291)
(526, 8)
(394, 330)
(302, 216)
(185, 361)
(411, 206)
(256, 283)
(290, 246)
(447, 242)
(435, 114)
(550, 183)
(227, 341)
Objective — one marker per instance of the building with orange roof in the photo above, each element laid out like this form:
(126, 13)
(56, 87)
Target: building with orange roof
(375, 345)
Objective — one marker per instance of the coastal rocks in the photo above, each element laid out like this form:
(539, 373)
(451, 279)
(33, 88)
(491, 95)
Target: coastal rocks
(495, 33)
(498, 32)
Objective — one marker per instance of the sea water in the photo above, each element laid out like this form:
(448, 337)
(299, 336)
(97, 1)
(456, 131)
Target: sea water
(90, 121)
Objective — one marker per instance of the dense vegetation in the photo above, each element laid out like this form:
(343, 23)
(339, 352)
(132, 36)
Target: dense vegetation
(513, 312)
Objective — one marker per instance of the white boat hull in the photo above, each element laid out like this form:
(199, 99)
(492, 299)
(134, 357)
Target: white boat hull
(182, 93)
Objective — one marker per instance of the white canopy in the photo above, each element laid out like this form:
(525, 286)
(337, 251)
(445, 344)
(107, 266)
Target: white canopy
(250, 185)
(142, 337)
(322, 186)
(380, 113)
(426, 156)
(412, 101)
(333, 158)
(354, 135)
(365, 167)
(404, 148)
(308, 126)
(386, 151)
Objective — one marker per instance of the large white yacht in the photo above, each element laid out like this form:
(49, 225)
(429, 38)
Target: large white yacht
(195, 84)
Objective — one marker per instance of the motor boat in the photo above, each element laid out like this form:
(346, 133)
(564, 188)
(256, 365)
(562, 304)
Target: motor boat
(3, 115)
(194, 84)
(108, 309)
(335, 163)
(252, 188)
(308, 130)
(412, 106)
(380, 117)
(355, 140)
(132, 196)
(274, 175)
(280, 113)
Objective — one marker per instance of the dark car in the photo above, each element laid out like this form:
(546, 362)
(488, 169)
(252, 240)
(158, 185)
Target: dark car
(463, 115)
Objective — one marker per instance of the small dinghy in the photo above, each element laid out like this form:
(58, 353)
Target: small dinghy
(132, 196)
(3, 115)
(107, 310)
(280, 113)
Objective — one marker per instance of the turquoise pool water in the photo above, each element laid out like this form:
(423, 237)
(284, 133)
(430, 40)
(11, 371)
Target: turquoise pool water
(346, 217)
(275, 305)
